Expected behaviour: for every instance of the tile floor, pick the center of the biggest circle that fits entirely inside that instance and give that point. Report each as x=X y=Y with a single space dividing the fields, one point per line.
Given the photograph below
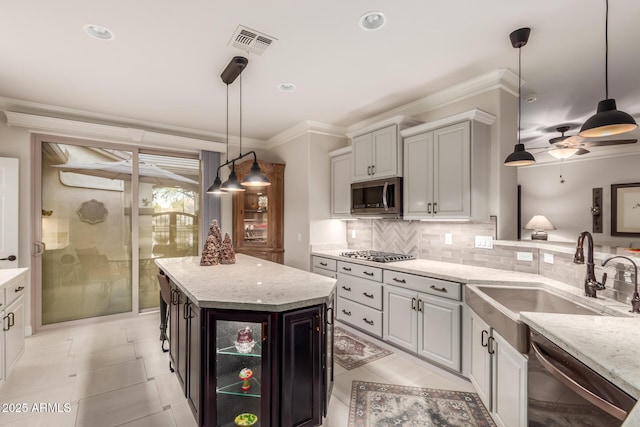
x=114 y=374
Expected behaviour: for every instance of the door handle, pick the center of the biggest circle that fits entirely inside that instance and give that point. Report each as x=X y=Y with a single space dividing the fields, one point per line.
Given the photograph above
x=395 y=279
x=484 y=335
x=18 y=289
x=9 y=258
x=329 y=322
x=368 y=170
x=490 y=348
x=367 y=295
x=5 y=328
x=324 y=264
x=420 y=305
x=346 y=289
x=346 y=268
x=429 y=207
x=384 y=196
x=435 y=208
x=413 y=303
x=38 y=248
x=348 y=313
x=12 y=319
x=435 y=288
x=368 y=273
x=369 y=322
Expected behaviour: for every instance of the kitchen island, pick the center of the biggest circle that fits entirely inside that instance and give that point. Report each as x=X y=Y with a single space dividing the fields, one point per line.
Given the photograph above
x=251 y=339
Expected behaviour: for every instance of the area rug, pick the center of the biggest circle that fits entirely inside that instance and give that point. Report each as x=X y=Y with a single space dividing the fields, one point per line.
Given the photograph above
x=382 y=405
x=351 y=351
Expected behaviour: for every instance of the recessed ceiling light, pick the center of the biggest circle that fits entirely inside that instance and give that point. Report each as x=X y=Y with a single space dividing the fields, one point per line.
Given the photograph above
x=287 y=87
x=99 y=32
x=372 y=21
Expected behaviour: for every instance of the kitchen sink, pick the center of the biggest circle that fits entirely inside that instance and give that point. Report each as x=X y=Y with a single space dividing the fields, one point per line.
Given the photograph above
x=500 y=307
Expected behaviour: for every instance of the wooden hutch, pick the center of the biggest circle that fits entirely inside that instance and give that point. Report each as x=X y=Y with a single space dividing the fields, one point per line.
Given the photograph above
x=258 y=214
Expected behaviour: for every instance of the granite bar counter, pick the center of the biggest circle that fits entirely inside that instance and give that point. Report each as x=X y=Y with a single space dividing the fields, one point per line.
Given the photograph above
x=250 y=340
x=249 y=284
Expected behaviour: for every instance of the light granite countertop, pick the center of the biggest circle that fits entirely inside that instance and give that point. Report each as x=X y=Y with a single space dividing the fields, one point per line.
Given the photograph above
x=7 y=275
x=249 y=284
x=608 y=344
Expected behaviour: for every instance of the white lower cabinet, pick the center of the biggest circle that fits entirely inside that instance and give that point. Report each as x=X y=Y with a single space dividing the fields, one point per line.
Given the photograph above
x=499 y=374
x=360 y=297
x=424 y=324
x=324 y=266
x=13 y=330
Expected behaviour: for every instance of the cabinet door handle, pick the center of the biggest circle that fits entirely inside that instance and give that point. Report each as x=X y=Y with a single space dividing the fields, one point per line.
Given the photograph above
x=12 y=319
x=413 y=303
x=346 y=289
x=373 y=169
x=370 y=322
x=329 y=322
x=483 y=336
x=317 y=317
x=348 y=313
x=19 y=288
x=420 y=305
x=185 y=310
x=5 y=328
x=368 y=273
x=435 y=208
x=369 y=170
x=435 y=288
x=395 y=279
x=324 y=264
x=264 y=331
x=346 y=268
x=367 y=295
x=9 y=258
x=429 y=207
x=490 y=348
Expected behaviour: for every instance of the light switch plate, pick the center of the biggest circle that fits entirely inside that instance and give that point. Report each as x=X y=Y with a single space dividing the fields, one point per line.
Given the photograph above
x=484 y=242
x=448 y=239
x=353 y=234
x=524 y=256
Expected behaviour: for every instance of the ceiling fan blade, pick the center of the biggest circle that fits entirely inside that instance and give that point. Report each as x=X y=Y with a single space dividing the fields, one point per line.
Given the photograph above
x=608 y=142
x=573 y=141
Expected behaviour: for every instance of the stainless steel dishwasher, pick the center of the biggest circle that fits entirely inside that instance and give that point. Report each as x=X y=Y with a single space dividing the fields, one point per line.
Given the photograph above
x=564 y=392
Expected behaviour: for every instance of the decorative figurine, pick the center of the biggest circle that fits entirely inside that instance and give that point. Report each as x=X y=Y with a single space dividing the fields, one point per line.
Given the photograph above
x=211 y=251
x=245 y=341
x=245 y=375
x=227 y=254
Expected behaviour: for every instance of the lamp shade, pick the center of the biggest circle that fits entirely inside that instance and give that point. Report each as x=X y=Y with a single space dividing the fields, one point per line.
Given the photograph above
x=215 y=187
x=563 y=153
x=232 y=184
x=255 y=177
x=539 y=222
x=607 y=121
x=519 y=157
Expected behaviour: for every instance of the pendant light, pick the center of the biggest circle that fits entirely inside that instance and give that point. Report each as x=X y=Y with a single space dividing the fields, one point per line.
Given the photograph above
x=520 y=156
x=255 y=177
x=608 y=120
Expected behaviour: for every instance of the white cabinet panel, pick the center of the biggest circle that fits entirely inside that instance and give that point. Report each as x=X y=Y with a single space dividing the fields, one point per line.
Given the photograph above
x=384 y=146
x=401 y=320
x=480 y=369
x=439 y=331
x=13 y=327
x=341 y=186
x=418 y=182
x=452 y=171
x=509 y=384
x=362 y=158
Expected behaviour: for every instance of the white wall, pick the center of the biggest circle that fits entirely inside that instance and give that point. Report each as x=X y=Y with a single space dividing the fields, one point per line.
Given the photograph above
x=16 y=143
x=567 y=205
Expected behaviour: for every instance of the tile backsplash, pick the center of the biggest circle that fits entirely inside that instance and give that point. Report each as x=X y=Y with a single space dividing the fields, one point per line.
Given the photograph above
x=426 y=240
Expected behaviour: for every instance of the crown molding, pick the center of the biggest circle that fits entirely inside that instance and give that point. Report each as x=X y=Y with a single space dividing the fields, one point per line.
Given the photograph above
x=475 y=115
x=139 y=132
x=74 y=128
x=498 y=79
x=303 y=128
x=402 y=122
x=340 y=151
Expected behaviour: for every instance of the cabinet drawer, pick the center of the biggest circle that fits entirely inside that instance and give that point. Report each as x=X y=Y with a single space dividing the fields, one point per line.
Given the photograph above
x=324 y=272
x=360 y=316
x=326 y=263
x=15 y=289
x=428 y=285
x=366 y=272
x=360 y=290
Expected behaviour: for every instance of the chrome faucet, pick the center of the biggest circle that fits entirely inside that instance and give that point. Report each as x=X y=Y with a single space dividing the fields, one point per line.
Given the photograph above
x=591 y=284
x=635 y=300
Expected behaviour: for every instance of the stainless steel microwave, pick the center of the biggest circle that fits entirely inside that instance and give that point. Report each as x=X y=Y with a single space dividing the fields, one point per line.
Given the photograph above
x=380 y=198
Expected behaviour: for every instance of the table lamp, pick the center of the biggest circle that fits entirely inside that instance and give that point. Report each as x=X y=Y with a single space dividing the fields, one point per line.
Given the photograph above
x=539 y=223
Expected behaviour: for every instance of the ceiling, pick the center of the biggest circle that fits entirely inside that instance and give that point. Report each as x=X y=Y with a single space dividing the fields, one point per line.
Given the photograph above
x=163 y=67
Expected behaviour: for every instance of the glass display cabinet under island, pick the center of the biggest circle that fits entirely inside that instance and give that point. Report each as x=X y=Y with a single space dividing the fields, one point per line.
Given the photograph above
x=252 y=342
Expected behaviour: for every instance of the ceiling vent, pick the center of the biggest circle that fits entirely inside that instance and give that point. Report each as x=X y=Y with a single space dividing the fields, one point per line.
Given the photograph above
x=251 y=41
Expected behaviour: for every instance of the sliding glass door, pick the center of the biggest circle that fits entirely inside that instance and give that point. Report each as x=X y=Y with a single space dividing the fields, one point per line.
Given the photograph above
x=100 y=246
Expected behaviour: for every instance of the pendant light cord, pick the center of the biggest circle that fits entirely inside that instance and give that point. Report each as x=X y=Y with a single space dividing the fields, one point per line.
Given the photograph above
x=240 y=115
x=606 y=50
x=519 y=89
x=227 y=123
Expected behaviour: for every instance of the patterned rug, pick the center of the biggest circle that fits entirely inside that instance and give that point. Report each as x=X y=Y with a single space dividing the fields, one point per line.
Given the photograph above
x=351 y=351
x=382 y=405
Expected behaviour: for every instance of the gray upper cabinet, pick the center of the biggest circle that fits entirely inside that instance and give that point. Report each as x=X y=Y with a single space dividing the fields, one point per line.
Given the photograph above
x=446 y=168
x=377 y=150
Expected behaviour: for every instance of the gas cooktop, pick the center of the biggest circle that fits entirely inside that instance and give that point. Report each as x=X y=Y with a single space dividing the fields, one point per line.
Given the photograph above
x=377 y=256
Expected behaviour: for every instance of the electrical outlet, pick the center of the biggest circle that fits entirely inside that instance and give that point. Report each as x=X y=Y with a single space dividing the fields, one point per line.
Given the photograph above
x=548 y=258
x=448 y=239
x=353 y=234
x=524 y=256
x=484 y=242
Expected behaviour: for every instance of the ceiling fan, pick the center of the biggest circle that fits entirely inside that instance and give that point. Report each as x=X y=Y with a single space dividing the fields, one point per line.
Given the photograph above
x=565 y=146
